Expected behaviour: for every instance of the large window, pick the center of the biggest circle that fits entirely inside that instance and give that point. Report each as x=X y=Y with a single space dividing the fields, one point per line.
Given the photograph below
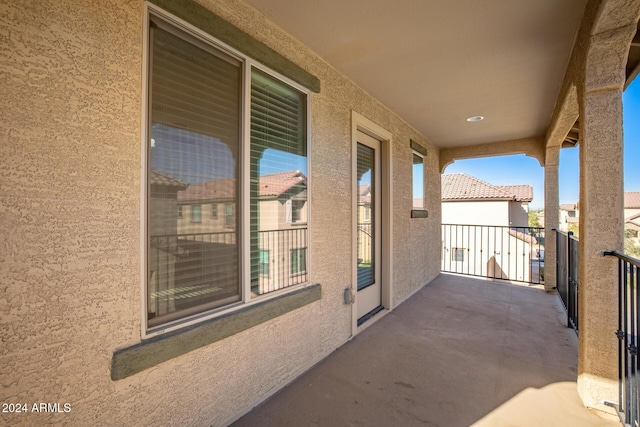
x=196 y=155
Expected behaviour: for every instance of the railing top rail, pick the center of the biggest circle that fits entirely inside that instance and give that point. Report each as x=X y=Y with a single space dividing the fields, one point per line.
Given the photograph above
x=497 y=226
x=193 y=234
x=623 y=257
x=214 y=233
x=566 y=233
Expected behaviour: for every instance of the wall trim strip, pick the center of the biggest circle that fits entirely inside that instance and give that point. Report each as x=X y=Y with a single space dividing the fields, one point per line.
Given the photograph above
x=132 y=360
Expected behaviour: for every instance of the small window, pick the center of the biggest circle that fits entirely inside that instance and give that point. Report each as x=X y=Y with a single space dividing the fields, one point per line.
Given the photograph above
x=298 y=261
x=179 y=211
x=418 y=181
x=196 y=213
x=458 y=254
x=296 y=212
x=214 y=211
x=264 y=263
x=228 y=215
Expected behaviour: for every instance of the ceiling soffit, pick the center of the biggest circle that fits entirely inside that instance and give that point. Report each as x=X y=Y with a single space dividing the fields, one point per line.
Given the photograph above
x=437 y=63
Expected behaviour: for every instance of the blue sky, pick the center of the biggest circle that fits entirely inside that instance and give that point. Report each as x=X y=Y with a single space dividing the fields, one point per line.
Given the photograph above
x=519 y=169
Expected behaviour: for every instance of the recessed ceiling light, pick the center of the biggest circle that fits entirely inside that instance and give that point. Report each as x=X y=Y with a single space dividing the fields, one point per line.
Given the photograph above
x=475 y=119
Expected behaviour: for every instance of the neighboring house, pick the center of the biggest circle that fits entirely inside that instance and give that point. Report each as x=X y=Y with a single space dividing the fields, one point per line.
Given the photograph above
x=632 y=215
x=569 y=215
x=207 y=214
x=469 y=200
x=365 y=225
x=485 y=228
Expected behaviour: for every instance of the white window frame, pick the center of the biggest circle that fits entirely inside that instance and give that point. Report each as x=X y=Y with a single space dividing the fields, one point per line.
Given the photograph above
x=243 y=229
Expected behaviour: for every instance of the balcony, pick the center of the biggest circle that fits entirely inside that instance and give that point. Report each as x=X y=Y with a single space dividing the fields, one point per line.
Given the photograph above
x=462 y=351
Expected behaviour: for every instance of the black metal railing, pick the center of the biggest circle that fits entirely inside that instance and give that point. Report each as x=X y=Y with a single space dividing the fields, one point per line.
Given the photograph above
x=627 y=333
x=495 y=252
x=188 y=260
x=567 y=274
x=282 y=260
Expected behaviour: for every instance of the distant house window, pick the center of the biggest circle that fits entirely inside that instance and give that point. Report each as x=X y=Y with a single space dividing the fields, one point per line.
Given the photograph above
x=298 y=261
x=264 y=263
x=196 y=213
x=296 y=211
x=572 y=214
x=179 y=211
x=418 y=181
x=293 y=210
x=214 y=211
x=367 y=213
x=458 y=254
x=228 y=215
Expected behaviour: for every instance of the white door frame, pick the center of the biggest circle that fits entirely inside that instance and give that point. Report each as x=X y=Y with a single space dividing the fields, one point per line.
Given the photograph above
x=362 y=124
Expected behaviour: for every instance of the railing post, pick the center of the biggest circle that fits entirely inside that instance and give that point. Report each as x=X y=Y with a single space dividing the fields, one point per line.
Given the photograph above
x=570 y=295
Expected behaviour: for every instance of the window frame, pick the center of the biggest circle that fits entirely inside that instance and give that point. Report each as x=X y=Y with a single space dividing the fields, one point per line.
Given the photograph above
x=155 y=13
x=193 y=209
x=455 y=252
x=261 y=270
x=415 y=153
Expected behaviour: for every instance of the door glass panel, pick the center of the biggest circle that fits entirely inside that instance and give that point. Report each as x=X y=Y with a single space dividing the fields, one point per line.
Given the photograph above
x=365 y=216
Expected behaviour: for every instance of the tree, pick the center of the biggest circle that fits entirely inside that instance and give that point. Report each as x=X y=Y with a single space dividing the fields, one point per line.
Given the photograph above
x=534 y=221
x=630 y=247
x=574 y=229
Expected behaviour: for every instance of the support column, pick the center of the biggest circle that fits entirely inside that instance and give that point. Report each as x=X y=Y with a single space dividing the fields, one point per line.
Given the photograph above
x=551 y=215
x=601 y=214
x=601 y=229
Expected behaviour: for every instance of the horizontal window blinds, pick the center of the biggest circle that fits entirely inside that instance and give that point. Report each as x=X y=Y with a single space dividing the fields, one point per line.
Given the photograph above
x=277 y=177
x=195 y=110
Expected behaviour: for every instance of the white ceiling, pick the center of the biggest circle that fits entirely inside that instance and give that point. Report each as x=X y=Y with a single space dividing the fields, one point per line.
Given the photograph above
x=437 y=62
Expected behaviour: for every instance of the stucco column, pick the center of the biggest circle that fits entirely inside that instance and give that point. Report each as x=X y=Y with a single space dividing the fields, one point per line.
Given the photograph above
x=551 y=215
x=601 y=215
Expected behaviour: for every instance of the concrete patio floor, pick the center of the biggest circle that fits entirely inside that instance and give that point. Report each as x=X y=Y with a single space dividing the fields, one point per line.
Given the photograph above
x=460 y=352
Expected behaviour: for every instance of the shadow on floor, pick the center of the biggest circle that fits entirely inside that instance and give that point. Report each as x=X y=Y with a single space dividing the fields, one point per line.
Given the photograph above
x=460 y=351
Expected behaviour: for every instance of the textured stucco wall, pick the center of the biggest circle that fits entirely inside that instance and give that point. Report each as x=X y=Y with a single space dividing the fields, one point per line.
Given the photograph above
x=476 y=213
x=518 y=214
x=70 y=130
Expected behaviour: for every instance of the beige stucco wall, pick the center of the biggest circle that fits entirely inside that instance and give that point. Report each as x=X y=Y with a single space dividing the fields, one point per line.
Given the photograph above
x=476 y=213
x=518 y=214
x=70 y=263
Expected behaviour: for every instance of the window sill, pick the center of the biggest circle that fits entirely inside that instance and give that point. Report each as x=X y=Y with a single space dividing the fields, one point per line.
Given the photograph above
x=132 y=360
x=419 y=213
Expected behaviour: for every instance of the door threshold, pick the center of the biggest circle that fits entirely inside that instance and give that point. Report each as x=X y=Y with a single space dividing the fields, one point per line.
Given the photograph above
x=370 y=314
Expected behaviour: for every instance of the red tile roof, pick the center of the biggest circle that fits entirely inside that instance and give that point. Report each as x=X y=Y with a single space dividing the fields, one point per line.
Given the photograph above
x=521 y=192
x=632 y=199
x=279 y=183
x=273 y=185
x=157 y=178
x=460 y=186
